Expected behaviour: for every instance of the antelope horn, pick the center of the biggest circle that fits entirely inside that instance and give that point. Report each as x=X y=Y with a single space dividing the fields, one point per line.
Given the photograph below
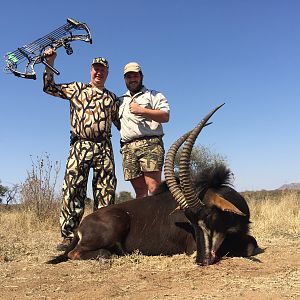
x=169 y=171
x=188 y=190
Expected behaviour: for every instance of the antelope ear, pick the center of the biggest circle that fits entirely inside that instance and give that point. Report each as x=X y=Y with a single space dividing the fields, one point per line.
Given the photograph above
x=222 y=203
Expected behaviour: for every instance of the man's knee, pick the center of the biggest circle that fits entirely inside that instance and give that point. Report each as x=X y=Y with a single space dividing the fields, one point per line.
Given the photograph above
x=140 y=187
x=152 y=180
x=152 y=188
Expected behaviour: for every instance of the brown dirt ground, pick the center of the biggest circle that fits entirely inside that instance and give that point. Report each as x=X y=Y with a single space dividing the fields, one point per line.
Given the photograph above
x=272 y=274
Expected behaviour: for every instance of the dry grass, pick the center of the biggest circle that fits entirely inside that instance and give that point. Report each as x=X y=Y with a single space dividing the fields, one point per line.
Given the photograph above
x=27 y=241
x=273 y=216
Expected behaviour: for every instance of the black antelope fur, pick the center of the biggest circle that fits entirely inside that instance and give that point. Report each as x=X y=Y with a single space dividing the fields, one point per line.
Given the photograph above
x=153 y=226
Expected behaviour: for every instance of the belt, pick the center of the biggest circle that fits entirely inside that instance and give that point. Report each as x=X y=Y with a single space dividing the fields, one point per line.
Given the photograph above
x=148 y=137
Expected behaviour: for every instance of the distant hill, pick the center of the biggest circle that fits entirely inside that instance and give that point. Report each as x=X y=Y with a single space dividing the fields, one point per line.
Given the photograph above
x=290 y=186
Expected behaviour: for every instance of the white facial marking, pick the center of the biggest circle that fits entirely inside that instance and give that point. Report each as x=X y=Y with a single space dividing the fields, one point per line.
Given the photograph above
x=206 y=233
x=217 y=240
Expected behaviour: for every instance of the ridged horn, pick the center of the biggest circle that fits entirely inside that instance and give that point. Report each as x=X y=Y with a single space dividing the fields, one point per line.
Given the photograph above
x=187 y=188
x=169 y=171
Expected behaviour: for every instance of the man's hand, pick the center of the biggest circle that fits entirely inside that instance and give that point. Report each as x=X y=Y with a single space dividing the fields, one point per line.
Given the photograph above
x=156 y=115
x=135 y=108
x=50 y=55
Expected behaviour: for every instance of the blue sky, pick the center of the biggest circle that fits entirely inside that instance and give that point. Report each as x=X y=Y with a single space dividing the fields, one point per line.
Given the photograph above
x=198 y=53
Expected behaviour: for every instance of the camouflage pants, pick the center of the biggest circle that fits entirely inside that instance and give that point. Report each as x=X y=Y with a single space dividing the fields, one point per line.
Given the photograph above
x=84 y=155
x=142 y=155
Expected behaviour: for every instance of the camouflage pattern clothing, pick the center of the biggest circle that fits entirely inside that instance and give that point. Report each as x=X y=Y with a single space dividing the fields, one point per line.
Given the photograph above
x=92 y=112
x=142 y=155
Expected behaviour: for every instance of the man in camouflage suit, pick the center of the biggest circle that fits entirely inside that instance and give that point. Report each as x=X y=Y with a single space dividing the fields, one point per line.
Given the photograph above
x=93 y=108
x=141 y=113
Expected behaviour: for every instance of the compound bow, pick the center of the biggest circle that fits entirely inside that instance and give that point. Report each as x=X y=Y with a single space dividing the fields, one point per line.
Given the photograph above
x=32 y=54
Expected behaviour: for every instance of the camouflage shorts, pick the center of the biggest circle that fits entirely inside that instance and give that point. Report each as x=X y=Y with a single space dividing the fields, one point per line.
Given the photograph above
x=142 y=155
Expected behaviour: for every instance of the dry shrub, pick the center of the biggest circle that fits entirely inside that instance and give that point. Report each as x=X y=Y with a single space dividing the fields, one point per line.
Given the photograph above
x=38 y=191
x=26 y=225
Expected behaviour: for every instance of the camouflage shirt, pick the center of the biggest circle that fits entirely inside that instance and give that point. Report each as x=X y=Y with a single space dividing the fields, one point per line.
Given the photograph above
x=92 y=110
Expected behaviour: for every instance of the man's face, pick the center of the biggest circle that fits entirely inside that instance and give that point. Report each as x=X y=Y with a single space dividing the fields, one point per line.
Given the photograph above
x=134 y=81
x=98 y=75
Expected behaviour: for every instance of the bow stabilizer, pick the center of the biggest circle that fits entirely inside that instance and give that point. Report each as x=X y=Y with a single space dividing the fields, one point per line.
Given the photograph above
x=32 y=53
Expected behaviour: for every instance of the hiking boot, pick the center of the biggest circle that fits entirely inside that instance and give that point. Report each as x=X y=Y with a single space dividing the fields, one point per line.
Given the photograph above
x=64 y=244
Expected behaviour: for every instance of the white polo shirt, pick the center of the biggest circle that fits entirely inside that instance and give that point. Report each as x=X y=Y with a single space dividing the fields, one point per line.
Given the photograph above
x=134 y=126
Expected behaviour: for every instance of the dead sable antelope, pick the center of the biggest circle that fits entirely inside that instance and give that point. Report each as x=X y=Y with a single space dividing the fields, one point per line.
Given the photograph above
x=206 y=215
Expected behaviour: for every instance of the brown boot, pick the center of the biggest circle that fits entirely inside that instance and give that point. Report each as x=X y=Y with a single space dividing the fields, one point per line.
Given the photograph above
x=64 y=244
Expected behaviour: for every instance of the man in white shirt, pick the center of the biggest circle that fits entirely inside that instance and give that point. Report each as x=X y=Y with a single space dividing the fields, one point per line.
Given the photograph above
x=142 y=112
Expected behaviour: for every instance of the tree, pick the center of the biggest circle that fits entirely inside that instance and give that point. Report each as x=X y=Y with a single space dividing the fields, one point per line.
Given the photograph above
x=3 y=191
x=123 y=196
x=12 y=194
x=201 y=158
x=9 y=194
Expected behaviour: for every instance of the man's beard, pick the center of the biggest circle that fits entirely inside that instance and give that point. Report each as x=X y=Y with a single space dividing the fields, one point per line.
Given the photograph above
x=137 y=89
